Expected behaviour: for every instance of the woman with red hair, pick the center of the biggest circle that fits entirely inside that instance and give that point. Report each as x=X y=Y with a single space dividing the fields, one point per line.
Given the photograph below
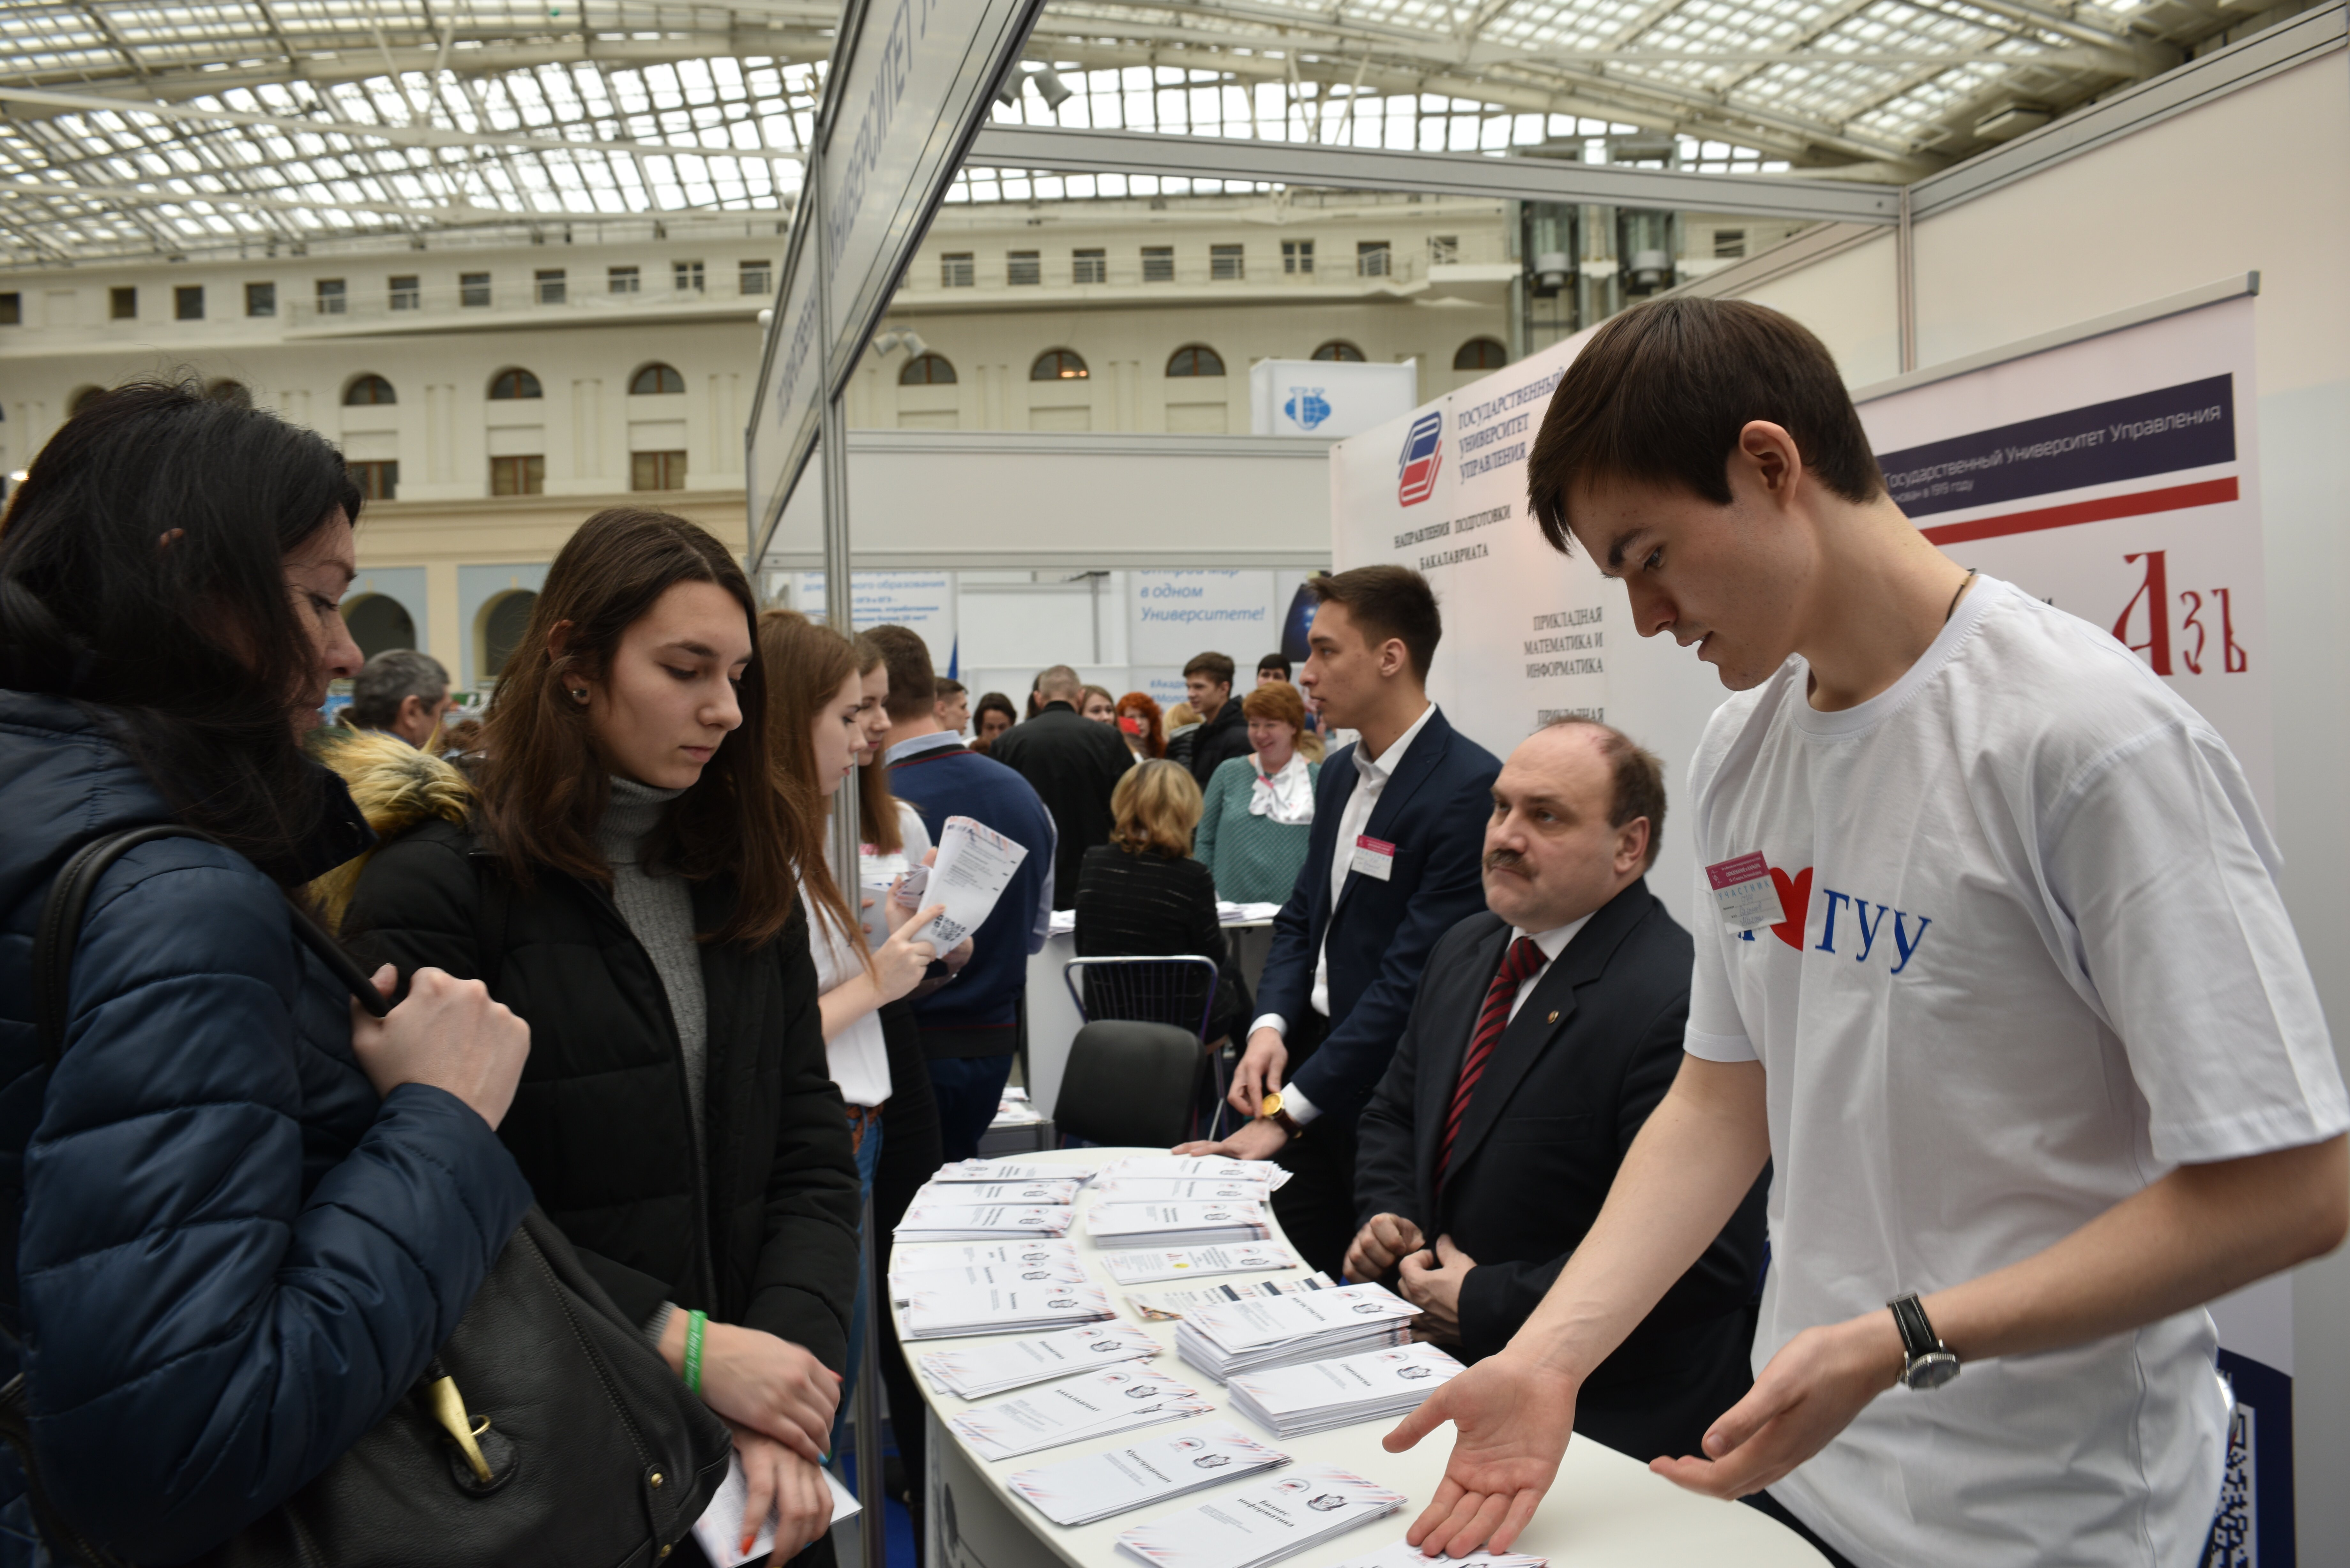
x=1139 y=721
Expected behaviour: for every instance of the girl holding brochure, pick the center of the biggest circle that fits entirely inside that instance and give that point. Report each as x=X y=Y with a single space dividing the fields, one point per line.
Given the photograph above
x=626 y=881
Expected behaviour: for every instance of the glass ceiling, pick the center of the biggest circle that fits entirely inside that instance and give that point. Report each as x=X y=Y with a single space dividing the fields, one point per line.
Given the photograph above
x=188 y=127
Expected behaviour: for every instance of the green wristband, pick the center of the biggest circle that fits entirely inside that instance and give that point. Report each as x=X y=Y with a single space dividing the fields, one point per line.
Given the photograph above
x=695 y=1322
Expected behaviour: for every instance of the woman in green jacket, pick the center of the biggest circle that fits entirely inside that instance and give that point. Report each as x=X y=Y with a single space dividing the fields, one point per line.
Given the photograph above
x=1260 y=809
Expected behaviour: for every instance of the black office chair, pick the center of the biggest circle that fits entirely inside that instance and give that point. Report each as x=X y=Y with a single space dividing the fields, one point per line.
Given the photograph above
x=1178 y=990
x=1129 y=1083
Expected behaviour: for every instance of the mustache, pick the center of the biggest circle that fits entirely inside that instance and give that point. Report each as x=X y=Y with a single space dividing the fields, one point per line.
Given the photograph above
x=1498 y=859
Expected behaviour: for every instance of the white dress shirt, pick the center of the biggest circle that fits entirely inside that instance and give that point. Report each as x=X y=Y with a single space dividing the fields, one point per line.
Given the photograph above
x=1371 y=782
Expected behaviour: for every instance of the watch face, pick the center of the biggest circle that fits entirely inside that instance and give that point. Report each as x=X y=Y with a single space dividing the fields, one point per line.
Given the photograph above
x=1272 y=1104
x=1931 y=1370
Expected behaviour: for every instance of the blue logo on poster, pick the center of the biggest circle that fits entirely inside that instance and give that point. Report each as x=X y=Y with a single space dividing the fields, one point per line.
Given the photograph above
x=1307 y=407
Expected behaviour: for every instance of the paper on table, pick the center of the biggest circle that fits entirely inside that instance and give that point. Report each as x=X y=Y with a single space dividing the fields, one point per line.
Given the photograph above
x=980 y=1170
x=720 y=1528
x=919 y=1259
x=1166 y=1307
x=1264 y=1523
x=979 y=1370
x=1196 y=1262
x=1207 y=1167
x=1092 y=1405
x=1081 y=1490
x=949 y=1313
x=975 y=865
x=1059 y=1193
x=947 y=1282
x=1178 y=1190
x=1404 y=1555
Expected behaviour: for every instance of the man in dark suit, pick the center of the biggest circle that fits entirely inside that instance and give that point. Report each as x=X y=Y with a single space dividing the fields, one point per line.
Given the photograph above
x=1398 y=828
x=1073 y=765
x=1547 y=1030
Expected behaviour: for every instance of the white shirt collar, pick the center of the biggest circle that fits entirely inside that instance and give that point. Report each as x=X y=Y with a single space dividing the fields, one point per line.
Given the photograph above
x=1380 y=771
x=1552 y=941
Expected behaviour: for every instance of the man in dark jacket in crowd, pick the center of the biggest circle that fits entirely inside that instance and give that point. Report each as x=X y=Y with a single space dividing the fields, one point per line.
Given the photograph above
x=1222 y=733
x=970 y=1026
x=1073 y=765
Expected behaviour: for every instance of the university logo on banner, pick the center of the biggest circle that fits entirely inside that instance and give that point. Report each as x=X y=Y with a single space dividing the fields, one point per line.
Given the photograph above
x=1423 y=454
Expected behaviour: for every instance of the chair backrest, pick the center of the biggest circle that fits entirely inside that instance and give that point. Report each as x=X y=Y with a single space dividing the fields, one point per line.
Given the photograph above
x=1176 y=990
x=1129 y=1083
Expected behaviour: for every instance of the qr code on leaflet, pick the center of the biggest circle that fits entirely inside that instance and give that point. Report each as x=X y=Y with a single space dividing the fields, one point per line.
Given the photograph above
x=2235 y=1528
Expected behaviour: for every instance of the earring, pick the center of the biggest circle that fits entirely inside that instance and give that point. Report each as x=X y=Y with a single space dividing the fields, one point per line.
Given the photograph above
x=580 y=693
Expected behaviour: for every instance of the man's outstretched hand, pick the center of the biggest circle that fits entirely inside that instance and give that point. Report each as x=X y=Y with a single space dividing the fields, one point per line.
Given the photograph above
x=1515 y=1418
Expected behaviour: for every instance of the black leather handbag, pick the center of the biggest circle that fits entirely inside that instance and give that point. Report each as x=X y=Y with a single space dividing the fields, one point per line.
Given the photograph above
x=547 y=1431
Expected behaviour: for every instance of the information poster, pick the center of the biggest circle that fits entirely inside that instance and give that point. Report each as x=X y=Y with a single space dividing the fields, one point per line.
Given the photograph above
x=923 y=602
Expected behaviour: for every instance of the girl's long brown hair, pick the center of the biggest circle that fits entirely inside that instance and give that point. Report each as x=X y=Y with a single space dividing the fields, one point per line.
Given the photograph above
x=541 y=787
x=807 y=664
x=876 y=808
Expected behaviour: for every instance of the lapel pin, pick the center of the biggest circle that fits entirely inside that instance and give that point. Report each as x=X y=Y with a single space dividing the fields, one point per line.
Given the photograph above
x=1553 y=1018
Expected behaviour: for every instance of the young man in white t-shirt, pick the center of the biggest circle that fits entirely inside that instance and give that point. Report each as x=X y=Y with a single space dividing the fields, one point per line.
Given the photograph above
x=2025 y=1030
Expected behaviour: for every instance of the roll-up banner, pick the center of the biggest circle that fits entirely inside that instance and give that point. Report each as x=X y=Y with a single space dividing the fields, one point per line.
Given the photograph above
x=2115 y=477
x=907 y=89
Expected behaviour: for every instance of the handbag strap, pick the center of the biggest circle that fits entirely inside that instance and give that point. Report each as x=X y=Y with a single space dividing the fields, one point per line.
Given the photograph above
x=60 y=929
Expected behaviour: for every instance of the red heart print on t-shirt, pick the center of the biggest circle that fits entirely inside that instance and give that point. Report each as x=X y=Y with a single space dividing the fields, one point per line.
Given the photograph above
x=1794 y=902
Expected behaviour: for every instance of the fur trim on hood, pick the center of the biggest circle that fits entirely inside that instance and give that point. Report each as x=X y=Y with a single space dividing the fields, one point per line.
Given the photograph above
x=396 y=788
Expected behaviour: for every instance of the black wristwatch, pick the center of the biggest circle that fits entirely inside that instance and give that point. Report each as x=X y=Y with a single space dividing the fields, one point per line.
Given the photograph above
x=1927 y=1363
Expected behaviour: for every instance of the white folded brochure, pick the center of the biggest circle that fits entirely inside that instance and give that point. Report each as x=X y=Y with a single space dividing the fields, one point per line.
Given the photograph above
x=999 y=1309
x=720 y=1528
x=962 y=1170
x=1246 y=1335
x=1178 y=1189
x=1096 y=1405
x=982 y=1371
x=1214 y=1167
x=1265 y=1523
x=1404 y=1555
x=977 y=1254
x=983 y=1222
x=967 y=1194
x=1314 y=1396
x=1118 y=1481
x=1175 y=1224
x=1168 y=1306
x=974 y=865
x=986 y=1276
x=1196 y=1262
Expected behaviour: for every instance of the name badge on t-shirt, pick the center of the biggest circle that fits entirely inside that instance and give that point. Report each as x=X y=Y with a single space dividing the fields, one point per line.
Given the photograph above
x=1744 y=894
x=1374 y=856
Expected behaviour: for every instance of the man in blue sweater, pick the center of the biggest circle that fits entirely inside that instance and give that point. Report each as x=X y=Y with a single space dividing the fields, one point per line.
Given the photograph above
x=971 y=1026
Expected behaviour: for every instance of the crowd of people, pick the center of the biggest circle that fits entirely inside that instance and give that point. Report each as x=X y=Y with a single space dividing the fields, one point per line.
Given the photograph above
x=592 y=959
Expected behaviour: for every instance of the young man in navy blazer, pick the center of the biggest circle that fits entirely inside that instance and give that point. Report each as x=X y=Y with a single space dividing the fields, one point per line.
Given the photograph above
x=1394 y=862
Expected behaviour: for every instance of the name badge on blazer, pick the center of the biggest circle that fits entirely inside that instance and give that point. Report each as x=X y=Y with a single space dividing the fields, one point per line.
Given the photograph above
x=1374 y=856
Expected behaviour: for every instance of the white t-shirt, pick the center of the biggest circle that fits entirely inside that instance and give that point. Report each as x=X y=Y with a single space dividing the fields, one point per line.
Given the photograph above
x=859 y=1056
x=2041 y=960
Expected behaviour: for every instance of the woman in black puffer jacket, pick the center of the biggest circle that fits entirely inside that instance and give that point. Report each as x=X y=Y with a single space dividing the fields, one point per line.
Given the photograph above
x=625 y=884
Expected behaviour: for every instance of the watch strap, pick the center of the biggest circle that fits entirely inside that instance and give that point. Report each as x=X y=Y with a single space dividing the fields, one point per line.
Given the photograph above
x=1286 y=1123
x=1918 y=1336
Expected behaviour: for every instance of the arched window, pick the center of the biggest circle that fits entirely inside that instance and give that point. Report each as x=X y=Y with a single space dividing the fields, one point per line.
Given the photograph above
x=502 y=625
x=1059 y=365
x=1340 y=351
x=1195 y=359
x=1480 y=354
x=651 y=381
x=83 y=398
x=376 y=390
x=513 y=383
x=379 y=623
x=932 y=370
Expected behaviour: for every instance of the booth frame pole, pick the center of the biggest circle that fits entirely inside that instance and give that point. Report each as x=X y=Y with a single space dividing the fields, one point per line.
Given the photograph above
x=1905 y=283
x=832 y=449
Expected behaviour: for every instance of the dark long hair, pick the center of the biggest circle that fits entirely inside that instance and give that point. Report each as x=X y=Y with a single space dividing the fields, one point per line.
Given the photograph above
x=193 y=648
x=543 y=789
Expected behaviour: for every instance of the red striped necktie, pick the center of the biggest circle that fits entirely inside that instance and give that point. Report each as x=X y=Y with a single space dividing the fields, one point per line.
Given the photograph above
x=1522 y=962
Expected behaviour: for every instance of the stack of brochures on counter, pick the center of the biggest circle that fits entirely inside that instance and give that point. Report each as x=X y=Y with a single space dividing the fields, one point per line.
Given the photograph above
x=983 y=1222
x=1265 y=1523
x=1167 y=1307
x=1311 y=1325
x=1096 y=1405
x=1175 y=1188
x=973 y=1254
x=1289 y=1401
x=1058 y=1193
x=904 y=1284
x=1194 y=1168
x=1159 y=1225
x=1196 y=1263
x=1118 y=1481
x=1001 y=1309
x=1013 y=1169
x=979 y=1371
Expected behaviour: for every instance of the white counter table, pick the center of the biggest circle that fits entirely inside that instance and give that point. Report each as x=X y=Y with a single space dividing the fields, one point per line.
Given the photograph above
x=1605 y=1512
